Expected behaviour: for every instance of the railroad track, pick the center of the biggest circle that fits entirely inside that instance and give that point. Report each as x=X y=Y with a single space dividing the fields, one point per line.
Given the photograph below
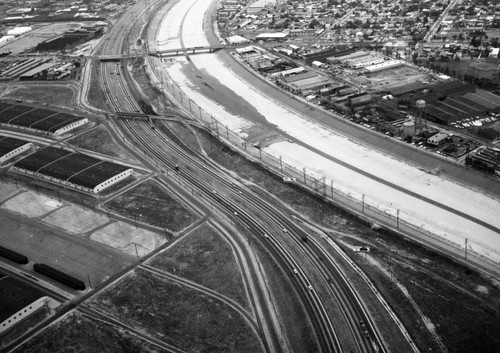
x=143 y=135
x=106 y=318
x=140 y=132
x=366 y=334
x=321 y=321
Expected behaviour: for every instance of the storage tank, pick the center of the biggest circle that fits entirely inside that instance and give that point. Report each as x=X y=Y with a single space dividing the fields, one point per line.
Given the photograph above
x=408 y=129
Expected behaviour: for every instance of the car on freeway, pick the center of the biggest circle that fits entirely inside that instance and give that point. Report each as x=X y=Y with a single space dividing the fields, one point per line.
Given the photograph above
x=284 y=230
x=295 y=271
x=310 y=287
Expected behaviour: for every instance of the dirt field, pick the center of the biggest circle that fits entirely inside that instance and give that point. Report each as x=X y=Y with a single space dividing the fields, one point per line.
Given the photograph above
x=8 y=190
x=150 y=203
x=75 y=220
x=188 y=319
x=39 y=34
x=439 y=287
x=78 y=333
x=205 y=257
x=99 y=140
x=52 y=232
x=385 y=79
x=31 y=204
x=127 y=238
x=54 y=95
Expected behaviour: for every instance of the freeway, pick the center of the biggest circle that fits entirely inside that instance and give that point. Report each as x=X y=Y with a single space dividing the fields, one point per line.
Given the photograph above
x=116 y=89
x=474 y=221
x=121 y=100
x=159 y=150
x=366 y=339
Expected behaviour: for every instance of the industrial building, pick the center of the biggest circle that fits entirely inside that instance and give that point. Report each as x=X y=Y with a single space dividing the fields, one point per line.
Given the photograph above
x=360 y=99
x=437 y=139
x=383 y=65
x=17 y=301
x=272 y=36
x=67 y=39
x=323 y=55
x=37 y=72
x=300 y=80
x=44 y=121
x=75 y=170
x=21 y=67
x=12 y=147
x=487 y=159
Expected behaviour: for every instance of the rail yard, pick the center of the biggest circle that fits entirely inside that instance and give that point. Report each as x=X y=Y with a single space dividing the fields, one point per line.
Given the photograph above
x=317 y=270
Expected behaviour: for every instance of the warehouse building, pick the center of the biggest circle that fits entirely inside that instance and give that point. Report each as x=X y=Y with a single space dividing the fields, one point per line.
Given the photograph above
x=315 y=83
x=21 y=67
x=17 y=301
x=437 y=139
x=12 y=147
x=44 y=121
x=384 y=65
x=487 y=159
x=272 y=36
x=75 y=170
x=37 y=72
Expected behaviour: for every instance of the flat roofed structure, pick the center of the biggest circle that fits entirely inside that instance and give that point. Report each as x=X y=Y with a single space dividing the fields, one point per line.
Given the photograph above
x=383 y=65
x=272 y=36
x=315 y=82
x=43 y=121
x=11 y=147
x=453 y=87
x=299 y=76
x=289 y=72
x=76 y=170
x=437 y=138
x=17 y=301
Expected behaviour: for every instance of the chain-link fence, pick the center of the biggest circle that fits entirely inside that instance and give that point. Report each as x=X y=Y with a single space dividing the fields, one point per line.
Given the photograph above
x=328 y=189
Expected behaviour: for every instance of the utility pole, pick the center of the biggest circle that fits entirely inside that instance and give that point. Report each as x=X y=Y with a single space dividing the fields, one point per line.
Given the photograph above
x=465 y=249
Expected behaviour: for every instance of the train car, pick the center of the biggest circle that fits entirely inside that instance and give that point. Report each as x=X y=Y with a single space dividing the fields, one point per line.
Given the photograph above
x=13 y=256
x=59 y=276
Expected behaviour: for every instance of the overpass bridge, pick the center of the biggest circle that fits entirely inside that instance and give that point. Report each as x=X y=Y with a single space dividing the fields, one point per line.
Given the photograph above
x=170 y=52
x=188 y=51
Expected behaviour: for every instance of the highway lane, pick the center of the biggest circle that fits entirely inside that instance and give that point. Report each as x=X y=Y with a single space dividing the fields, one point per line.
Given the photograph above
x=180 y=37
x=184 y=16
x=130 y=106
x=122 y=101
x=190 y=166
x=157 y=150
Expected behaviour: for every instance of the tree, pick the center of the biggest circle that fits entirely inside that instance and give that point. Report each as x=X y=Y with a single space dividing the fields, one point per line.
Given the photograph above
x=314 y=23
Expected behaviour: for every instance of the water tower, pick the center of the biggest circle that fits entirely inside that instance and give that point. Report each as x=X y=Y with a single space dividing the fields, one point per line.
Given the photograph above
x=421 y=109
